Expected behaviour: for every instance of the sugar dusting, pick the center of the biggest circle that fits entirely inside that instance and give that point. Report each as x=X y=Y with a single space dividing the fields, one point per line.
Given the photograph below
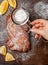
x=20 y=15
x=3 y=35
x=41 y=9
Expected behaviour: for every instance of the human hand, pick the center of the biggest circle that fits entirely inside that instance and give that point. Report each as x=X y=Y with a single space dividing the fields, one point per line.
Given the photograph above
x=40 y=27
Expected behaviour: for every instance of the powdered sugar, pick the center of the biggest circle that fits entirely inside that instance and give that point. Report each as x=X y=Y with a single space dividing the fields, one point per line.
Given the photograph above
x=20 y=15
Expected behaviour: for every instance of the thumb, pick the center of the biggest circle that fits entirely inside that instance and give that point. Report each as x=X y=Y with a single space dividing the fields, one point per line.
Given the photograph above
x=38 y=31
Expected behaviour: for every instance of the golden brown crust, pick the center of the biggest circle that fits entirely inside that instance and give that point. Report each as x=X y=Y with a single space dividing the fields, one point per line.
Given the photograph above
x=8 y=18
x=18 y=37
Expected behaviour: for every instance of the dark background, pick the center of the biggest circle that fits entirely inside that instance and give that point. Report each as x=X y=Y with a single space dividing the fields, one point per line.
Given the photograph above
x=38 y=55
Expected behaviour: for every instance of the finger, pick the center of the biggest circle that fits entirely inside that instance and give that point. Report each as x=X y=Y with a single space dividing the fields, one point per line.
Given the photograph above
x=37 y=26
x=41 y=28
x=34 y=22
x=42 y=21
x=38 y=31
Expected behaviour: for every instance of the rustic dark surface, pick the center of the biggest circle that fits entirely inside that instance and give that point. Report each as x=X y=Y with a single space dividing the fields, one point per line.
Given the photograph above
x=38 y=55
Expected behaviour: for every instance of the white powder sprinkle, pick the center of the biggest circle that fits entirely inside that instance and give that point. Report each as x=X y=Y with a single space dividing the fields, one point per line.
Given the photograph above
x=41 y=9
x=20 y=15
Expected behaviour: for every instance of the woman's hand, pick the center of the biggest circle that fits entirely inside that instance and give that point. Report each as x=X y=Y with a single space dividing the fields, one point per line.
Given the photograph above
x=40 y=27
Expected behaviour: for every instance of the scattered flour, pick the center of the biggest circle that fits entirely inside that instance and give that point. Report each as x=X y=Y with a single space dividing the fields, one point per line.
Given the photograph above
x=3 y=35
x=41 y=9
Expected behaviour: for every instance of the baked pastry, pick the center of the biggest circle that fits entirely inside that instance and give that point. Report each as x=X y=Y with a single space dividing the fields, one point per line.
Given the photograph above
x=17 y=36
